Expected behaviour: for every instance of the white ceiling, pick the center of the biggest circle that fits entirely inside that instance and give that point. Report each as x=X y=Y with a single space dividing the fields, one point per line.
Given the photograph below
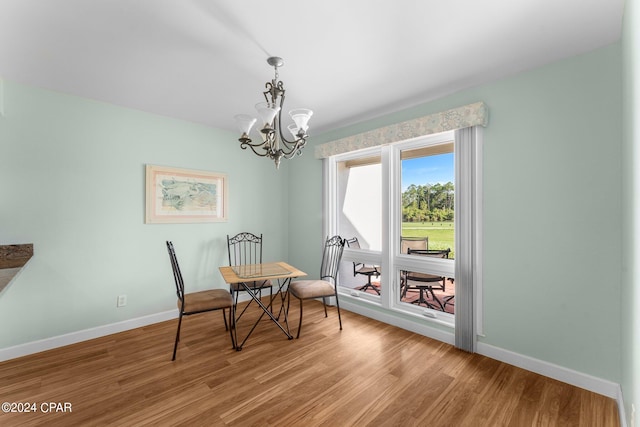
x=348 y=60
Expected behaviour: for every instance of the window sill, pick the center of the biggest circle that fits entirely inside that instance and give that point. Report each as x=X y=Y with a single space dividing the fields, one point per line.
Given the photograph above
x=373 y=308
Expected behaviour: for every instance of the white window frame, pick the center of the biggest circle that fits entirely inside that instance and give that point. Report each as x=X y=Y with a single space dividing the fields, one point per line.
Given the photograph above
x=392 y=310
x=407 y=262
x=331 y=217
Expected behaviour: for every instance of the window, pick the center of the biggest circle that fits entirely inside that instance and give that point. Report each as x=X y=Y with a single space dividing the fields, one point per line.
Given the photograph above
x=376 y=199
x=427 y=227
x=359 y=209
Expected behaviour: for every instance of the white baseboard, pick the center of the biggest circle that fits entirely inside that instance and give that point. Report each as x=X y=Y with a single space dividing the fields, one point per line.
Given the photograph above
x=566 y=375
x=88 y=334
x=588 y=382
x=84 y=335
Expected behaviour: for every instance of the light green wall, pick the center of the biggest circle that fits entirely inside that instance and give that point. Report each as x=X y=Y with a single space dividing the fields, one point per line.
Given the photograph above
x=630 y=379
x=552 y=209
x=552 y=214
x=72 y=183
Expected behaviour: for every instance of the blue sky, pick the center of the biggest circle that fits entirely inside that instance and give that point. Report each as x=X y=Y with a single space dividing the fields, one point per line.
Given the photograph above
x=430 y=169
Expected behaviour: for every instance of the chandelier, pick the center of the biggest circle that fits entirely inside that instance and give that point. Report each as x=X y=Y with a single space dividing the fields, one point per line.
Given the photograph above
x=274 y=144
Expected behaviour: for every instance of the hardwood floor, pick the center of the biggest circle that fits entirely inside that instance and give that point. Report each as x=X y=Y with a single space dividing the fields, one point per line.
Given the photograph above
x=369 y=374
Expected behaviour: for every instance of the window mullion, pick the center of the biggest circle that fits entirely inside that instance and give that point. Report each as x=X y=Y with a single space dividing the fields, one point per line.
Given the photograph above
x=389 y=179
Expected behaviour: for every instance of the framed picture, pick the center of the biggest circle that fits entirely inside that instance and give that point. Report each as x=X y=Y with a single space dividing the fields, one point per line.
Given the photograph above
x=182 y=196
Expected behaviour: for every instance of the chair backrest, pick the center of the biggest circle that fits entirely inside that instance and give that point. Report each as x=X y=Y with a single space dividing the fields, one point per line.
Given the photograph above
x=353 y=243
x=177 y=275
x=425 y=277
x=331 y=256
x=435 y=253
x=407 y=243
x=244 y=248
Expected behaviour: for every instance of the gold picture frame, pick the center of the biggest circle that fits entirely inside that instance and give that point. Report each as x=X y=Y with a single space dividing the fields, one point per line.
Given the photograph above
x=175 y=195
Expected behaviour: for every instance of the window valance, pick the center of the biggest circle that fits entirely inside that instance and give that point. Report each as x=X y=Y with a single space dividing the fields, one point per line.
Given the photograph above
x=456 y=118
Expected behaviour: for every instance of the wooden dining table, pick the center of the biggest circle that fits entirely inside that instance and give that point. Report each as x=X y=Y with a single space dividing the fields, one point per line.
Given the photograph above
x=246 y=274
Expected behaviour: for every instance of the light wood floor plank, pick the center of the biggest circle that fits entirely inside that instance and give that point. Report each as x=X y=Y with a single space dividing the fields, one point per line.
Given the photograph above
x=369 y=374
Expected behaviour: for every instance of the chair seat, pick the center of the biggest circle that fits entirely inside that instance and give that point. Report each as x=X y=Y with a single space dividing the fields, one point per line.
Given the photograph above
x=425 y=285
x=252 y=285
x=211 y=299
x=373 y=271
x=416 y=278
x=304 y=289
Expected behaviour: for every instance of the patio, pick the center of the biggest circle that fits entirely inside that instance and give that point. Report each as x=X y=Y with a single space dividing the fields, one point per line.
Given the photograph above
x=413 y=295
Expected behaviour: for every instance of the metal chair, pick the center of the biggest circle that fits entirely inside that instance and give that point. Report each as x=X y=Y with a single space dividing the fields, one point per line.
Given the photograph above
x=327 y=285
x=198 y=302
x=423 y=282
x=364 y=269
x=413 y=243
x=246 y=248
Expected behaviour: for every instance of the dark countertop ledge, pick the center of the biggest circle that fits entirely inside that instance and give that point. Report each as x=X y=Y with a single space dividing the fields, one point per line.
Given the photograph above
x=12 y=259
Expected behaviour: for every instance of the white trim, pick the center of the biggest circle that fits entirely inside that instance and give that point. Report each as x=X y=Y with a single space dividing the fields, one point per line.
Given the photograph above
x=362 y=255
x=330 y=219
x=84 y=335
x=566 y=375
x=621 y=412
x=388 y=182
x=437 y=266
x=395 y=320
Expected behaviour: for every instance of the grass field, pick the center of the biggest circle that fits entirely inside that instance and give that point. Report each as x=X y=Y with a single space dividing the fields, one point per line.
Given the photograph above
x=441 y=234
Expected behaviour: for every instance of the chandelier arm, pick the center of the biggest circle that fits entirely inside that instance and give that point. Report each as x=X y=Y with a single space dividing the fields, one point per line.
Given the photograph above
x=290 y=155
x=290 y=145
x=291 y=149
x=244 y=146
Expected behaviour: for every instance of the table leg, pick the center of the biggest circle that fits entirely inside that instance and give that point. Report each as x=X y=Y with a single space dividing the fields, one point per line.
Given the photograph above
x=265 y=310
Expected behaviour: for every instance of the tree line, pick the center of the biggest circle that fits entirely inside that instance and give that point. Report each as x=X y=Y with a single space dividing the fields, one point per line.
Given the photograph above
x=429 y=202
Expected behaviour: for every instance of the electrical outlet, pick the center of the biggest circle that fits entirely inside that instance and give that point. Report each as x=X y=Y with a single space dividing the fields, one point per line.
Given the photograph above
x=122 y=301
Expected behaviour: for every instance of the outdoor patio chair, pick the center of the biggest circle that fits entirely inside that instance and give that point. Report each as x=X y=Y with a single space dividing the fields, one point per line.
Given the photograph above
x=423 y=282
x=413 y=243
x=366 y=270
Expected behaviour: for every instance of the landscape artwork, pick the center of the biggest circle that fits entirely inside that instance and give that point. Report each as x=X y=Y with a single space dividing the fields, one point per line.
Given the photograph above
x=176 y=195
